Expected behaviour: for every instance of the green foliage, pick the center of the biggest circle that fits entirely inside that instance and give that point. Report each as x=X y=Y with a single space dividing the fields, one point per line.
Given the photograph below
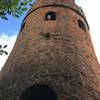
x=13 y=7
x=2 y=51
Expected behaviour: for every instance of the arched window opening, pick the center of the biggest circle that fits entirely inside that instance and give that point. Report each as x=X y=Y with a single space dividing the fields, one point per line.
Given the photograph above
x=50 y=15
x=38 y=92
x=81 y=25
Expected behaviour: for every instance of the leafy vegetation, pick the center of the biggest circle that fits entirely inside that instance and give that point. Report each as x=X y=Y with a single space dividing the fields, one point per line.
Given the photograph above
x=2 y=51
x=13 y=7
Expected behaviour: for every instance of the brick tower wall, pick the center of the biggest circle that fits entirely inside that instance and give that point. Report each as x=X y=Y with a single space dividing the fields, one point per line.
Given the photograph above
x=58 y=53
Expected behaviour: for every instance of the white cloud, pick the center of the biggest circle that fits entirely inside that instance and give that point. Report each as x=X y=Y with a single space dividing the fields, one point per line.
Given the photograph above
x=9 y=40
x=91 y=9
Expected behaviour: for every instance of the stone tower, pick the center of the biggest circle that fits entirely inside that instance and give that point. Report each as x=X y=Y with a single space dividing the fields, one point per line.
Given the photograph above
x=53 y=57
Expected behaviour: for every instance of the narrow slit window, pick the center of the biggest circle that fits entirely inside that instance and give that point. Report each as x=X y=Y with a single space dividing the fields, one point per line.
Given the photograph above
x=23 y=25
x=81 y=25
x=50 y=15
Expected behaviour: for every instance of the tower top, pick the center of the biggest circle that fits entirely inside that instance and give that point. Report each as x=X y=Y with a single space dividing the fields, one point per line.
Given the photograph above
x=54 y=2
x=57 y=3
x=61 y=3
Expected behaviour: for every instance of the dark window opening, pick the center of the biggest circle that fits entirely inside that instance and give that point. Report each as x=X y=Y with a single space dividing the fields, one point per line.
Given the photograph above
x=23 y=24
x=39 y=92
x=50 y=15
x=81 y=25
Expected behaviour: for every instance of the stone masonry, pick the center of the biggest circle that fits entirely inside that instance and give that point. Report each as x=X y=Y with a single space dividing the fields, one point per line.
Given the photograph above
x=53 y=48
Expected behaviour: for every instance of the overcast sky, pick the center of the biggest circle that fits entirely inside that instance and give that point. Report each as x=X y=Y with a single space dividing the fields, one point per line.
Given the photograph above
x=9 y=29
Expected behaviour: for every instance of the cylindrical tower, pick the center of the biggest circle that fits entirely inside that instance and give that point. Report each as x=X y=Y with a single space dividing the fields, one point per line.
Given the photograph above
x=53 y=57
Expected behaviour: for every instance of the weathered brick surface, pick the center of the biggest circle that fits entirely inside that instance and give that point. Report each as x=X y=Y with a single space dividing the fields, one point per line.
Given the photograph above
x=65 y=61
